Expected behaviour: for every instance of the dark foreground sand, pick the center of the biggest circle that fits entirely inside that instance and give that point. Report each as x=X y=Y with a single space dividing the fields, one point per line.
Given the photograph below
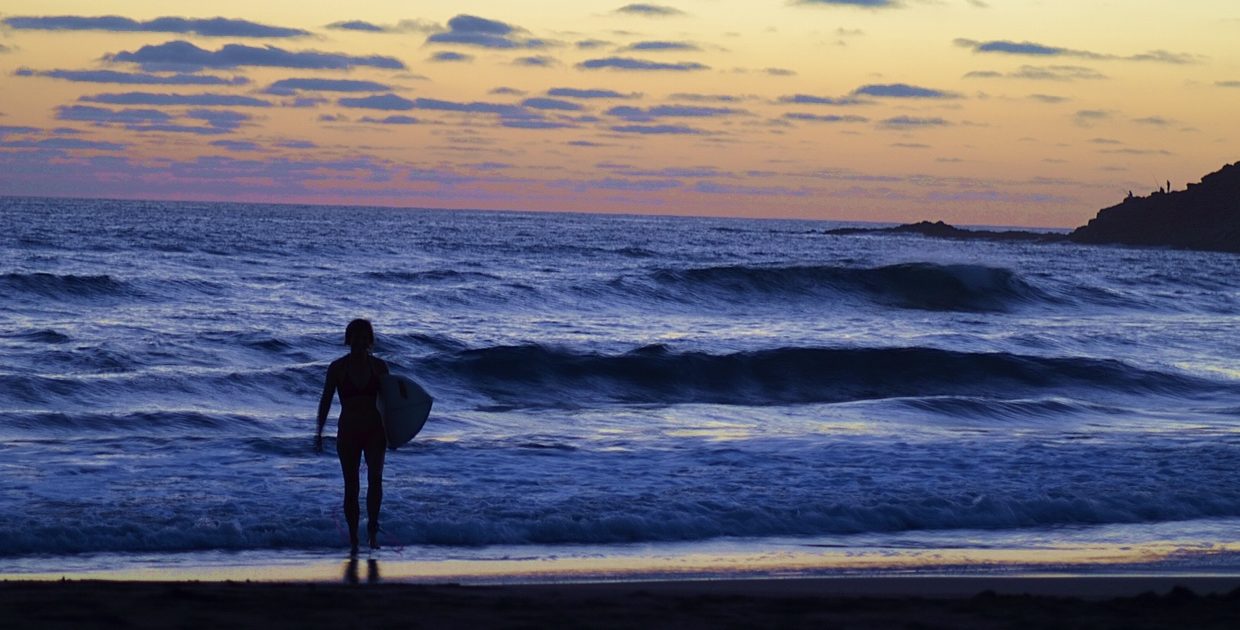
x=817 y=603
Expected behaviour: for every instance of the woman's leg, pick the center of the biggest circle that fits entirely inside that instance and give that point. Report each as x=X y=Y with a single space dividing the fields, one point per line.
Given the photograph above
x=376 y=450
x=349 y=449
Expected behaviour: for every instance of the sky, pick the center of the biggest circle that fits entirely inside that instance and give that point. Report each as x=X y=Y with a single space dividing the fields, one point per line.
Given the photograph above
x=979 y=112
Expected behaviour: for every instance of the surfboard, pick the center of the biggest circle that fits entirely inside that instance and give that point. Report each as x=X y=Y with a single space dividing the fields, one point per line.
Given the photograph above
x=404 y=406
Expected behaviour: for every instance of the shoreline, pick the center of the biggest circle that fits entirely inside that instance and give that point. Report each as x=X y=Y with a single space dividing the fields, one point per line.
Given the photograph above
x=871 y=602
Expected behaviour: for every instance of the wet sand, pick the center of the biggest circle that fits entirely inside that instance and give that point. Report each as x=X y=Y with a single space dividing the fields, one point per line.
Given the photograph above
x=883 y=602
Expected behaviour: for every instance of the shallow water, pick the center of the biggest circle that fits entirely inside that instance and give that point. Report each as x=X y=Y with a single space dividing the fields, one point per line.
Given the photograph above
x=604 y=381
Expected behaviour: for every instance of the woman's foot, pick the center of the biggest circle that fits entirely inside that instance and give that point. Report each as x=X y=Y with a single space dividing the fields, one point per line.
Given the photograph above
x=372 y=529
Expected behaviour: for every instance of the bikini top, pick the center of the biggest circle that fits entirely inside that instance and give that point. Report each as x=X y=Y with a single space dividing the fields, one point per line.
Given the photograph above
x=349 y=389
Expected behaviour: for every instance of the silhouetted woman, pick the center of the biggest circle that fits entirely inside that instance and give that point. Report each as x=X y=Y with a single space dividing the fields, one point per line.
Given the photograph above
x=360 y=430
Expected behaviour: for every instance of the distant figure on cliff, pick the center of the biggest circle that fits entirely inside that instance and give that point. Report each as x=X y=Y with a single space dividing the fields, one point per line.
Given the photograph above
x=1168 y=185
x=1129 y=195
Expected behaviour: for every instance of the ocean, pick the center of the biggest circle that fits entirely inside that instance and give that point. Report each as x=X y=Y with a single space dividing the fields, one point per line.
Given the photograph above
x=612 y=387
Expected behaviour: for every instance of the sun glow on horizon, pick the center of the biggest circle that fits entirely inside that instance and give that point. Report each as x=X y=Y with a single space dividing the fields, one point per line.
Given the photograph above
x=1014 y=113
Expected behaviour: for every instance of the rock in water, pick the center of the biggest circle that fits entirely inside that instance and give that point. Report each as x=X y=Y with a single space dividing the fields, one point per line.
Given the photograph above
x=1204 y=217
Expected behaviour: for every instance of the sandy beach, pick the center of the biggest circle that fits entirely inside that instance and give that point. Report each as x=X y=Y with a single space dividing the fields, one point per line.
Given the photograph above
x=887 y=602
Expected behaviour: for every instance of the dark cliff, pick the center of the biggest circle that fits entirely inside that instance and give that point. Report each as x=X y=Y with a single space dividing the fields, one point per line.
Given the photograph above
x=1205 y=217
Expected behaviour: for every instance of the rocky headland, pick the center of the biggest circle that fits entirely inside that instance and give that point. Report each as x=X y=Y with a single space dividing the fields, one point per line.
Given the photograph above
x=939 y=229
x=1205 y=216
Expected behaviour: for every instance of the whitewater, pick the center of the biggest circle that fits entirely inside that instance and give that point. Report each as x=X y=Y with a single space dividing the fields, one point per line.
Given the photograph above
x=605 y=382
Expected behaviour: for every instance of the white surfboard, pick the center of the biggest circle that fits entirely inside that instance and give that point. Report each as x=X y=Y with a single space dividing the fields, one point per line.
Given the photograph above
x=404 y=406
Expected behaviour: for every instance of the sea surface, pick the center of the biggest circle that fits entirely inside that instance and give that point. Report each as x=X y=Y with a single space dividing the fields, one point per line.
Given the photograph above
x=608 y=386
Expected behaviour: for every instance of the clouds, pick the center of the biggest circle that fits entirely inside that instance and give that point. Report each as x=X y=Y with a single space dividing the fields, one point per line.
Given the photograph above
x=388 y=102
x=395 y=119
x=649 y=10
x=470 y=30
x=288 y=87
x=627 y=63
x=1041 y=73
x=130 y=78
x=639 y=114
x=912 y=122
x=403 y=26
x=202 y=100
x=183 y=56
x=658 y=130
x=448 y=56
x=807 y=99
x=552 y=104
x=902 y=90
x=1034 y=49
x=211 y=27
x=216 y=121
x=588 y=93
x=660 y=46
x=536 y=61
x=827 y=118
x=867 y=4
x=62 y=144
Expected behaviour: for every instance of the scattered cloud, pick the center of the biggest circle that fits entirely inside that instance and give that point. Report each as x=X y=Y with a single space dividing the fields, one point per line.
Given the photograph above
x=552 y=104
x=639 y=114
x=658 y=46
x=4 y=49
x=208 y=27
x=1138 y=151
x=476 y=107
x=183 y=56
x=470 y=30
x=508 y=91
x=297 y=144
x=535 y=123
x=395 y=119
x=779 y=72
x=902 y=90
x=829 y=118
x=591 y=44
x=236 y=145
x=588 y=93
x=1228 y=84
x=449 y=56
x=101 y=115
x=287 y=87
x=908 y=122
x=62 y=143
x=536 y=61
x=403 y=26
x=658 y=129
x=388 y=102
x=1048 y=98
x=153 y=120
x=1033 y=49
x=865 y=4
x=201 y=100
x=1088 y=117
x=1041 y=73
x=649 y=10
x=628 y=63
x=909 y=145
x=807 y=99
x=707 y=98
x=130 y=78
x=1155 y=121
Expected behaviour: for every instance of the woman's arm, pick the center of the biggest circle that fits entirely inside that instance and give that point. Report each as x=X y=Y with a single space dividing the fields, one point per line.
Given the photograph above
x=325 y=405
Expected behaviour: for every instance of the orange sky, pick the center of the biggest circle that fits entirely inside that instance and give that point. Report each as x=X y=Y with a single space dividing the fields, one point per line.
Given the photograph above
x=999 y=113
